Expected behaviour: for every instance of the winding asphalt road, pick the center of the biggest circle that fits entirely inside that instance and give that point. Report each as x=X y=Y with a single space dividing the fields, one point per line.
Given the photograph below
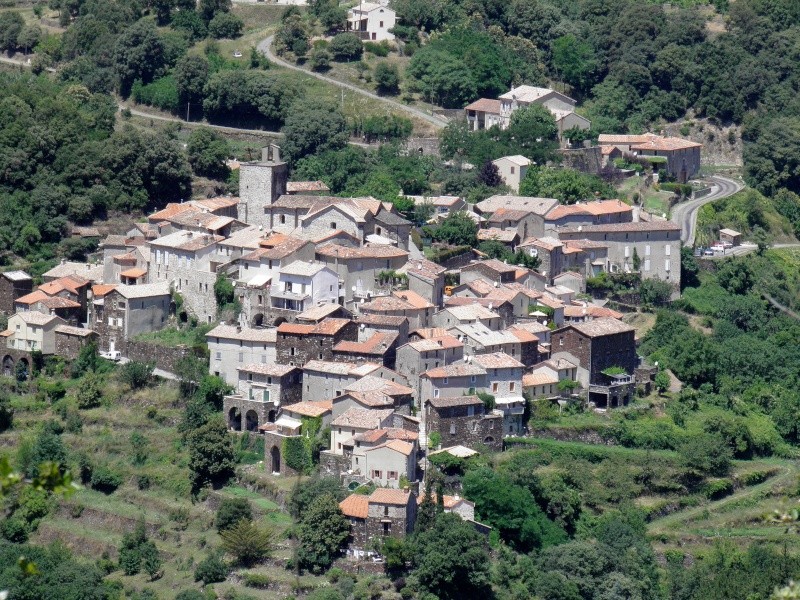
x=685 y=213
x=265 y=47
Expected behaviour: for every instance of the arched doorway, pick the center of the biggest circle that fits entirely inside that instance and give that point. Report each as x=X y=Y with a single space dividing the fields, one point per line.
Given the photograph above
x=8 y=366
x=279 y=321
x=258 y=320
x=488 y=440
x=251 y=421
x=271 y=416
x=235 y=419
x=275 y=459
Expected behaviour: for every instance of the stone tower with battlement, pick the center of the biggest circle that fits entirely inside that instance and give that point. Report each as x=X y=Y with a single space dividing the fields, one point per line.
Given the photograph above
x=260 y=184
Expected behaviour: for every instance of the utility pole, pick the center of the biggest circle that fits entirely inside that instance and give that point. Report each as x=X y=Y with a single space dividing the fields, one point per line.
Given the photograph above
x=187 y=111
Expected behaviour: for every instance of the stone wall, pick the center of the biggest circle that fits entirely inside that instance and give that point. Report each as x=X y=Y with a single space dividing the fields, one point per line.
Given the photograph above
x=243 y=414
x=273 y=453
x=426 y=146
x=164 y=357
x=311 y=347
x=333 y=465
x=69 y=346
x=456 y=427
x=587 y=160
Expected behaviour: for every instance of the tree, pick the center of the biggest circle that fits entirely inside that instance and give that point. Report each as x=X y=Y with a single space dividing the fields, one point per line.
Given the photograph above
x=329 y=14
x=489 y=175
x=706 y=453
x=574 y=61
x=247 y=542
x=533 y=132
x=313 y=127
x=29 y=37
x=210 y=8
x=231 y=511
x=207 y=152
x=442 y=78
x=451 y=560
x=321 y=534
x=662 y=382
x=212 y=390
x=320 y=59
x=136 y=374
x=387 y=78
x=90 y=393
x=6 y=413
x=293 y=35
x=211 y=570
x=130 y=551
x=11 y=26
x=305 y=492
x=191 y=74
x=457 y=229
x=47 y=448
x=211 y=455
x=567 y=185
x=346 y=47
x=151 y=560
x=223 y=291
x=225 y=25
x=191 y=23
x=138 y=54
x=655 y=291
x=689 y=269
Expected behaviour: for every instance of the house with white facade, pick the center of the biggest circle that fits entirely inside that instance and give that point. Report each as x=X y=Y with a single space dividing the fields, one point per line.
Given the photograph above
x=32 y=331
x=371 y=21
x=231 y=347
x=512 y=169
x=302 y=285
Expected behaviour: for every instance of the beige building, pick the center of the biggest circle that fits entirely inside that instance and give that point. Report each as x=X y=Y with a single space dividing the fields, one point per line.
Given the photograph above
x=682 y=156
x=231 y=347
x=512 y=169
x=32 y=331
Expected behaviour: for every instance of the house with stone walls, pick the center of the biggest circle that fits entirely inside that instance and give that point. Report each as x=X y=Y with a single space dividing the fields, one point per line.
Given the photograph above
x=92 y=272
x=359 y=269
x=417 y=357
x=233 y=346
x=385 y=512
x=354 y=421
x=326 y=379
x=386 y=463
x=595 y=212
x=468 y=314
x=461 y=420
x=380 y=348
x=425 y=278
x=597 y=346
x=260 y=185
x=491 y=270
x=456 y=505
x=549 y=251
x=315 y=314
x=369 y=324
x=38 y=301
x=298 y=344
x=452 y=381
x=508 y=237
x=72 y=288
x=529 y=353
x=418 y=311
x=525 y=223
x=501 y=305
x=122 y=312
x=512 y=169
x=538 y=206
x=71 y=340
x=376 y=393
x=13 y=285
x=479 y=339
x=185 y=259
x=314 y=410
x=504 y=382
x=261 y=391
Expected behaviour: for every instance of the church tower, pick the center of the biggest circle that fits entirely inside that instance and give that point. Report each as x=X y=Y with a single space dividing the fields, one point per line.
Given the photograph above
x=260 y=184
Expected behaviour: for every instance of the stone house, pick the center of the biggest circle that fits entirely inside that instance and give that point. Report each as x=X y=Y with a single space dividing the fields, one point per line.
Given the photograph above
x=484 y=113
x=354 y=421
x=442 y=205
x=572 y=280
x=265 y=262
x=425 y=278
x=260 y=185
x=682 y=156
x=386 y=463
x=386 y=512
x=125 y=311
x=453 y=316
x=302 y=285
x=369 y=324
x=529 y=204
x=586 y=257
x=541 y=383
x=70 y=340
x=380 y=348
x=452 y=381
x=13 y=285
x=414 y=358
x=553 y=308
x=325 y=379
x=297 y=344
x=92 y=272
x=391 y=226
x=491 y=270
x=187 y=258
x=456 y=505
x=321 y=410
x=512 y=169
x=315 y=314
x=374 y=392
x=657 y=244
x=262 y=390
x=461 y=420
x=38 y=301
x=31 y=332
x=549 y=251
x=359 y=269
x=418 y=311
x=72 y=288
x=562 y=107
x=372 y=21
x=508 y=237
x=231 y=347
x=525 y=223
x=479 y=339
x=504 y=382
x=596 y=346
x=529 y=353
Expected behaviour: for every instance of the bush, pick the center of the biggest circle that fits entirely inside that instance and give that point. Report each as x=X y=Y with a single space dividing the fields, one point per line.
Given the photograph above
x=89 y=393
x=256 y=580
x=346 y=47
x=225 y=25
x=6 y=413
x=136 y=374
x=105 y=480
x=248 y=542
x=381 y=49
x=211 y=570
x=387 y=77
x=161 y=93
x=719 y=488
x=706 y=453
x=231 y=511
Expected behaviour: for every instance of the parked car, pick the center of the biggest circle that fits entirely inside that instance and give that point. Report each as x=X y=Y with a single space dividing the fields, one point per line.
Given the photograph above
x=708 y=252
x=114 y=355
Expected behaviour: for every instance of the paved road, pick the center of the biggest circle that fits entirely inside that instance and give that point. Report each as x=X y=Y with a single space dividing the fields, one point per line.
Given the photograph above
x=147 y=115
x=685 y=213
x=265 y=47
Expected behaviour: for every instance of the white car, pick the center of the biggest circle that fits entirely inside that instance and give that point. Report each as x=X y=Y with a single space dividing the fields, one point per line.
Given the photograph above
x=237 y=54
x=114 y=355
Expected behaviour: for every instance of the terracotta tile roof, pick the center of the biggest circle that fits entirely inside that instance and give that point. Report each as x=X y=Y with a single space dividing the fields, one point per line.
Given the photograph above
x=299 y=202
x=454 y=370
x=371 y=436
x=368 y=251
x=54 y=302
x=310 y=409
x=337 y=233
x=232 y=332
x=355 y=506
x=189 y=241
x=668 y=144
x=379 y=343
x=317 y=313
x=420 y=267
x=492 y=264
x=486 y=105
x=77 y=331
x=283 y=248
x=539 y=206
x=34 y=317
x=306 y=186
x=100 y=290
x=507 y=214
x=445 y=342
x=31 y=298
x=363 y=418
x=386 y=304
x=371 y=383
x=623 y=227
x=385 y=321
x=607 y=138
x=601 y=327
x=542 y=377
x=218 y=203
x=455 y=401
x=295 y=328
x=169 y=211
x=390 y=496
x=135 y=273
x=494 y=233
x=430 y=332
x=413 y=298
x=71 y=283
x=449 y=502
x=523 y=335
x=497 y=360
x=596 y=208
x=397 y=445
x=396 y=433
x=550 y=302
x=330 y=326
x=560 y=363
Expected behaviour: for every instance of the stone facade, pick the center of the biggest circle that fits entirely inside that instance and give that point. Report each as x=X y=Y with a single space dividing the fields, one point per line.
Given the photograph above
x=163 y=357
x=273 y=455
x=260 y=184
x=596 y=351
x=244 y=414
x=462 y=421
x=298 y=344
x=13 y=285
x=69 y=344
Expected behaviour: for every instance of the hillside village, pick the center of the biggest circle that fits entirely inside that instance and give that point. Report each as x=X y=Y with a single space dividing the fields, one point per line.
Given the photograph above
x=340 y=320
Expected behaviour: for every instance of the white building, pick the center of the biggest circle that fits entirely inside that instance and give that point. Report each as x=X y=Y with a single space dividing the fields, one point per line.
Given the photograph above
x=302 y=285
x=231 y=347
x=512 y=170
x=371 y=21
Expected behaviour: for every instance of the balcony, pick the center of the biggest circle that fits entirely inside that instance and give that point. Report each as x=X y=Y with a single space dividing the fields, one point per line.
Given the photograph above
x=288 y=295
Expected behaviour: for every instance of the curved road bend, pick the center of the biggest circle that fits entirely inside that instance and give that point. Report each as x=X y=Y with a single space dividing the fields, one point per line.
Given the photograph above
x=265 y=47
x=685 y=213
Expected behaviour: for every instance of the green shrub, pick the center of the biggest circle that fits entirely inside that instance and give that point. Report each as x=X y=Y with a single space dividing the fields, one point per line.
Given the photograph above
x=346 y=47
x=296 y=454
x=136 y=374
x=161 y=93
x=381 y=49
x=231 y=511
x=211 y=570
x=105 y=480
x=256 y=580
x=717 y=488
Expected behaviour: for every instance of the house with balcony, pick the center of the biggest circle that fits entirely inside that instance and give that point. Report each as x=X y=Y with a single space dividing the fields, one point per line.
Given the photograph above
x=359 y=269
x=371 y=21
x=233 y=346
x=262 y=390
x=302 y=285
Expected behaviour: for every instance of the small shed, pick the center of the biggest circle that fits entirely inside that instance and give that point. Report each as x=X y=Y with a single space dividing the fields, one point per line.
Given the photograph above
x=730 y=236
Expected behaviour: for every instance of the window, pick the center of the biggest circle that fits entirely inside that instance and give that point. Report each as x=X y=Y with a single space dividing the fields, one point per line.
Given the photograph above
x=470 y=411
x=333 y=224
x=446 y=379
x=292 y=351
x=512 y=386
x=249 y=377
x=219 y=355
x=472 y=379
x=495 y=386
x=283 y=219
x=381 y=24
x=436 y=393
x=452 y=428
x=391 y=475
x=666 y=264
x=512 y=170
x=646 y=264
x=377 y=474
x=121 y=305
x=667 y=249
x=560 y=341
x=647 y=250
x=241 y=356
x=627 y=251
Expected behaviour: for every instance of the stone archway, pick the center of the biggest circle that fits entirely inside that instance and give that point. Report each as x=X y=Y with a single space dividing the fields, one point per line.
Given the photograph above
x=258 y=320
x=280 y=321
x=251 y=421
x=235 y=419
x=488 y=440
x=8 y=366
x=275 y=459
x=24 y=363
